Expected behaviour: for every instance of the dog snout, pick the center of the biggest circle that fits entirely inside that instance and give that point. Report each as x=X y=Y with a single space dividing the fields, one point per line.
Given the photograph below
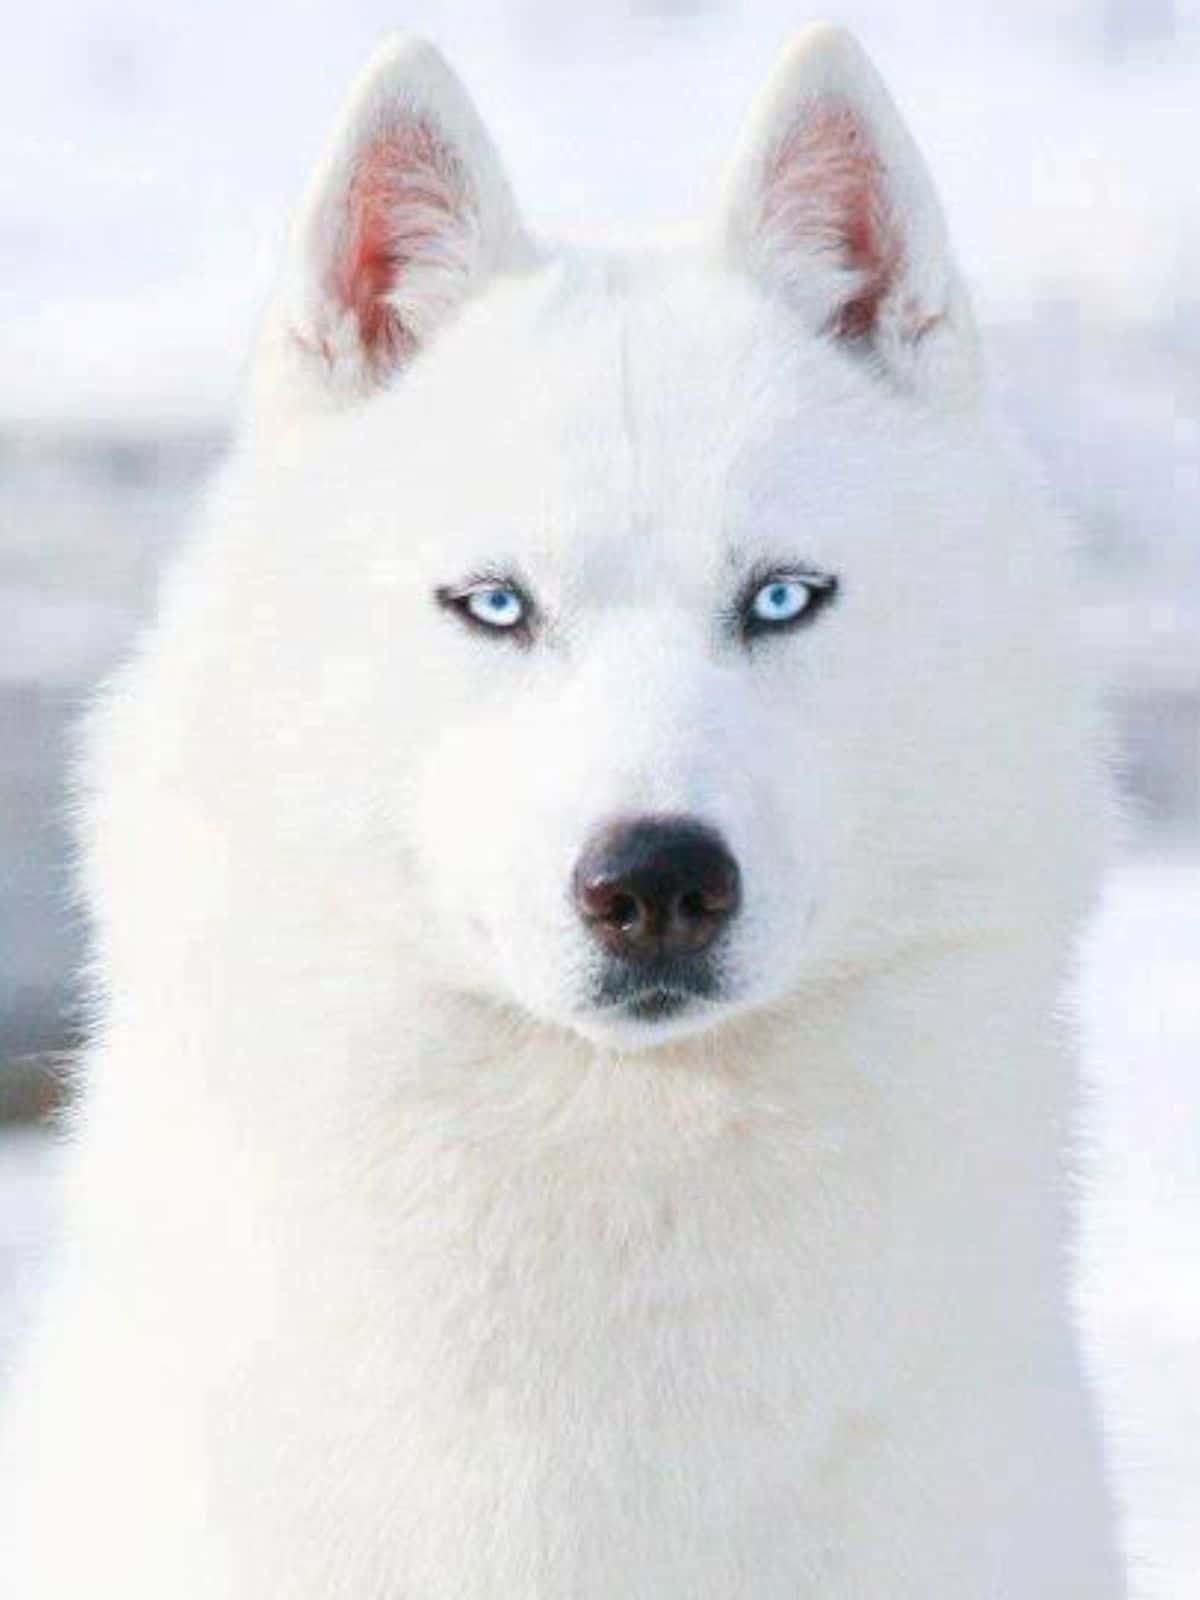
x=655 y=887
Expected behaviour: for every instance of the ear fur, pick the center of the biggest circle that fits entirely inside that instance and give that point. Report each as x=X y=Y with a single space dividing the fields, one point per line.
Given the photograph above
x=829 y=203
x=408 y=213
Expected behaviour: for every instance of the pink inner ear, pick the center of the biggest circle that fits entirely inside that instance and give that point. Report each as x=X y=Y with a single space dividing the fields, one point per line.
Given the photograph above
x=399 y=203
x=825 y=185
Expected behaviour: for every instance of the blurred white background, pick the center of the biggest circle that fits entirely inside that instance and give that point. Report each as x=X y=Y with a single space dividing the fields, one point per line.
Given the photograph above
x=149 y=155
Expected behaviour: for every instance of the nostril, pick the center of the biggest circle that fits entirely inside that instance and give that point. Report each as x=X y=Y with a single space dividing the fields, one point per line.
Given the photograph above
x=622 y=911
x=694 y=905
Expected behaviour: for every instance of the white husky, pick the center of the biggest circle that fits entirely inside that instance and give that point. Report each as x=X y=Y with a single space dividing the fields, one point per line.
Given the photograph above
x=584 y=865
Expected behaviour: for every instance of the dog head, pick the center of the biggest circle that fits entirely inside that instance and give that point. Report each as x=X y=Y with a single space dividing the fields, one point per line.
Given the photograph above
x=658 y=629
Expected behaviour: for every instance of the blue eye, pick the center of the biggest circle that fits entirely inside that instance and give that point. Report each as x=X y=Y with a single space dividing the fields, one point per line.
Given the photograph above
x=781 y=600
x=784 y=600
x=498 y=605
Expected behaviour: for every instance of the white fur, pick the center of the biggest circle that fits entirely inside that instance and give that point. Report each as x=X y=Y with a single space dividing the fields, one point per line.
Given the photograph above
x=399 y=1273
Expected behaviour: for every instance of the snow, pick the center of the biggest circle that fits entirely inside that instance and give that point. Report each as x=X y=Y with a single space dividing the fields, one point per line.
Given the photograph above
x=29 y=1224
x=1141 y=1237
x=1141 y=1010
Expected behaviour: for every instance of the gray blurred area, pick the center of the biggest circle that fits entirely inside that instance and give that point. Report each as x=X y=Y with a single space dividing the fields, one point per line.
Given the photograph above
x=85 y=521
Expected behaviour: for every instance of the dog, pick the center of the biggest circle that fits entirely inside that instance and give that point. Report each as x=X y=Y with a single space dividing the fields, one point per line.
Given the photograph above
x=584 y=865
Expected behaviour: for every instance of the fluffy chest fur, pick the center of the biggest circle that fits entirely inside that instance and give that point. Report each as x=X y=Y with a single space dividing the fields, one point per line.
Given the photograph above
x=574 y=1329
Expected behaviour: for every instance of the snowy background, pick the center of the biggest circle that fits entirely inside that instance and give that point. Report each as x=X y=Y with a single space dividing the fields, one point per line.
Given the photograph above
x=147 y=159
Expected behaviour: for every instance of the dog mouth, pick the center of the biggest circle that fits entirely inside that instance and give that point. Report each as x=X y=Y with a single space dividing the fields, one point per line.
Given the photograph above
x=655 y=994
x=656 y=1005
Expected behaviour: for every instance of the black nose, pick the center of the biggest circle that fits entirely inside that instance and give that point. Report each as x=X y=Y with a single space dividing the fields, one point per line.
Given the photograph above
x=656 y=886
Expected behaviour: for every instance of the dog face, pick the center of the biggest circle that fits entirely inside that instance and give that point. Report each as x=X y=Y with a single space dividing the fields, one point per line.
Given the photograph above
x=622 y=603
x=655 y=599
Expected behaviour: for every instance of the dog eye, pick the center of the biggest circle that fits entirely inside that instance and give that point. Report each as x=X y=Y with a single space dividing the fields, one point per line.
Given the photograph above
x=497 y=604
x=783 y=600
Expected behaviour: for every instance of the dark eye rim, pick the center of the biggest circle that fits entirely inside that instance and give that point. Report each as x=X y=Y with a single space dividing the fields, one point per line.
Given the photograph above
x=823 y=587
x=455 y=598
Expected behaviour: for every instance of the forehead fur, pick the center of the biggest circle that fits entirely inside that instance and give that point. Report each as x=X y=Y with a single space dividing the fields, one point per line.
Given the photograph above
x=609 y=392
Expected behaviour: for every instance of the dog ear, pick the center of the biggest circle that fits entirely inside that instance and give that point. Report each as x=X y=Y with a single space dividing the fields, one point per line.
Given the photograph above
x=829 y=203
x=408 y=213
